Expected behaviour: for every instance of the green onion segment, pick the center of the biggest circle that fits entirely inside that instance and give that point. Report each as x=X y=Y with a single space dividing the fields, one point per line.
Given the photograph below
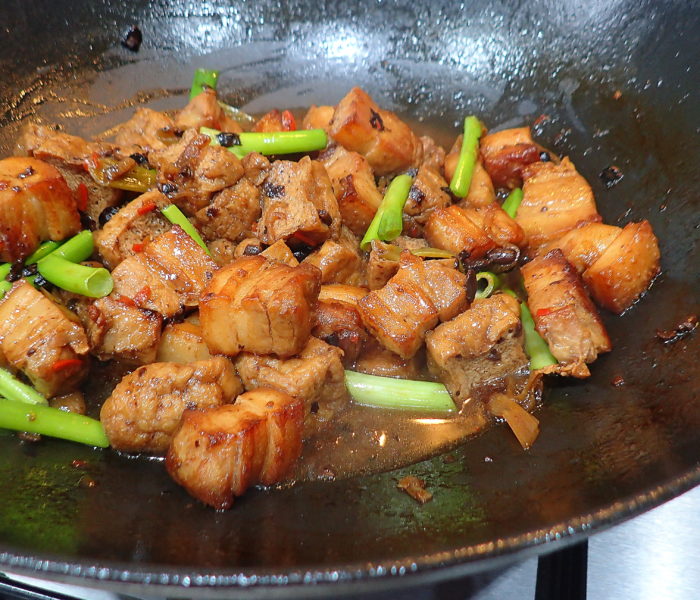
x=203 y=78
x=536 y=346
x=512 y=202
x=79 y=279
x=176 y=217
x=17 y=391
x=462 y=178
x=491 y=282
x=388 y=220
x=273 y=142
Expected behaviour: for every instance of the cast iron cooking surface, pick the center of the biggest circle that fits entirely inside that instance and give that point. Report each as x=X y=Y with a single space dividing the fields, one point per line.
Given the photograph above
x=605 y=453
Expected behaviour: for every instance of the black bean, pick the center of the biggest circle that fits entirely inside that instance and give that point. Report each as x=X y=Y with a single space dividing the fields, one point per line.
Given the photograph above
x=471 y=285
x=376 y=120
x=252 y=250
x=502 y=256
x=107 y=214
x=133 y=39
x=273 y=191
x=29 y=270
x=87 y=222
x=15 y=271
x=228 y=139
x=168 y=189
x=545 y=157
x=140 y=159
x=324 y=217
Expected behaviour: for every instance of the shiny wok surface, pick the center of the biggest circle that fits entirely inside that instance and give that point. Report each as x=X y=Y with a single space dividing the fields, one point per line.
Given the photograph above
x=605 y=452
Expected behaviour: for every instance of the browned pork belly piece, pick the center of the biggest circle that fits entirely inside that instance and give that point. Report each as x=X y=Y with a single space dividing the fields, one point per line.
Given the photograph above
x=147 y=131
x=204 y=110
x=218 y=453
x=258 y=305
x=36 y=204
x=298 y=204
x=339 y=261
x=280 y=252
x=168 y=274
x=481 y=191
x=411 y=303
x=41 y=339
x=555 y=200
x=375 y=359
x=182 y=343
x=625 y=269
x=481 y=344
x=132 y=226
x=255 y=167
x=222 y=251
x=583 y=245
x=337 y=320
x=275 y=120
x=318 y=117
x=564 y=314
x=497 y=224
x=145 y=407
x=69 y=153
x=354 y=187
x=379 y=135
x=118 y=329
x=427 y=194
x=315 y=375
x=455 y=229
x=506 y=153
x=433 y=154
x=232 y=214
x=191 y=171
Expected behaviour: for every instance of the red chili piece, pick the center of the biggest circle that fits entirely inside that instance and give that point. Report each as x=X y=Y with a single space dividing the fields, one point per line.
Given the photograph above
x=66 y=363
x=83 y=197
x=289 y=123
x=146 y=208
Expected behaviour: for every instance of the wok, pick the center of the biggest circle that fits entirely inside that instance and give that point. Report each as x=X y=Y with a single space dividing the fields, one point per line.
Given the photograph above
x=605 y=453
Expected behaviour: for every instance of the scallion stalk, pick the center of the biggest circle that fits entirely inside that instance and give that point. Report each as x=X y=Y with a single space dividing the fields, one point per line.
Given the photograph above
x=79 y=279
x=536 y=346
x=387 y=223
x=273 y=142
x=492 y=283
x=203 y=78
x=176 y=217
x=17 y=391
x=387 y=392
x=52 y=422
x=462 y=178
x=512 y=202
x=43 y=250
x=77 y=248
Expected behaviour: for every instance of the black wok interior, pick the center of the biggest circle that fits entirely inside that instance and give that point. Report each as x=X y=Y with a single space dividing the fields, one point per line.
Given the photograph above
x=605 y=453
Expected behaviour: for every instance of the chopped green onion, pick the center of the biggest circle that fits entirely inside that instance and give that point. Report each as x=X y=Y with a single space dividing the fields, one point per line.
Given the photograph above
x=176 y=217
x=493 y=282
x=203 y=78
x=462 y=178
x=79 y=279
x=512 y=202
x=432 y=253
x=52 y=422
x=387 y=392
x=273 y=142
x=77 y=248
x=43 y=250
x=15 y=390
x=387 y=223
x=137 y=179
x=5 y=286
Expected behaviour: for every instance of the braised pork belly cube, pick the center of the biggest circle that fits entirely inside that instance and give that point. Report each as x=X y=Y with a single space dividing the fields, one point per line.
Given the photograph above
x=625 y=269
x=583 y=245
x=68 y=154
x=232 y=214
x=135 y=280
x=280 y=252
x=555 y=200
x=191 y=171
x=506 y=153
x=382 y=265
x=426 y=195
x=182 y=343
x=481 y=344
x=36 y=204
x=375 y=359
x=411 y=303
x=379 y=135
x=298 y=204
x=275 y=120
x=564 y=314
x=497 y=224
x=218 y=453
x=337 y=320
x=204 y=110
x=481 y=191
x=145 y=407
x=433 y=154
x=147 y=131
x=318 y=117
x=258 y=305
x=222 y=251
x=120 y=330
x=354 y=187
x=41 y=339
x=454 y=229
x=339 y=261
x=315 y=375
x=131 y=227
x=255 y=167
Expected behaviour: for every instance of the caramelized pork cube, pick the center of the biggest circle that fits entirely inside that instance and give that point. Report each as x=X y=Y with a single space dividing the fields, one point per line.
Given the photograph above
x=379 y=135
x=497 y=224
x=339 y=261
x=338 y=323
x=218 y=453
x=375 y=359
x=255 y=168
x=318 y=117
x=446 y=287
x=427 y=194
x=433 y=154
x=260 y=306
x=354 y=187
x=135 y=280
x=118 y=329
x=298 y=204
x=455 y=229
x=350 y=294
x=583 y=245
x=382 y=265
x=131 y=227
x=148 y=130
x=182 y=343
x=191 y=171
x=280 y=252
x=625 y=269
x=36 y=204
x=506 y=153
x=145 y=407
x=41 y=339
x=204 y=110
x=315 y=375
x=232 y=213
x=481 y=344
x=564 y=314
x=275 y=120
x=555 y=200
